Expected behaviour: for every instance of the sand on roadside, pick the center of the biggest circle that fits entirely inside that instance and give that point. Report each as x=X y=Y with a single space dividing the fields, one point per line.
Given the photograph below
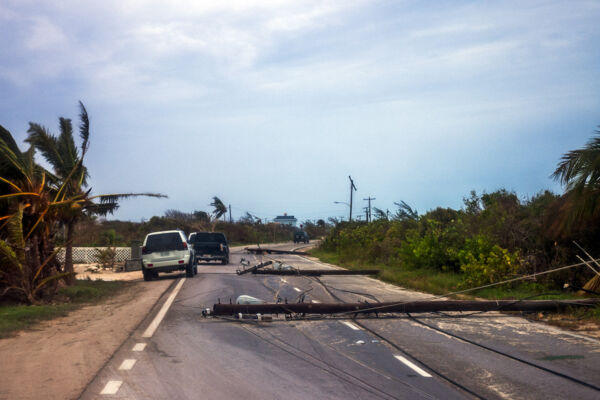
x=56 y=359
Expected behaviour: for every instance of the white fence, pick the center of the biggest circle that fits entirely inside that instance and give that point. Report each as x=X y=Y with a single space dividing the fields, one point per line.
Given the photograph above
x=87 y=255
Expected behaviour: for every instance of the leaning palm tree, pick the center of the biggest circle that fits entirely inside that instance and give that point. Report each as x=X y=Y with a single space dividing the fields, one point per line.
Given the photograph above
x=67 y=163
x=219 y=209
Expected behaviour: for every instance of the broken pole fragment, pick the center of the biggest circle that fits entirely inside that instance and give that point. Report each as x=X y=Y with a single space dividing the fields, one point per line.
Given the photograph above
x=261 y=250
x=402 y=307
x=255 y=268
x=317 y=272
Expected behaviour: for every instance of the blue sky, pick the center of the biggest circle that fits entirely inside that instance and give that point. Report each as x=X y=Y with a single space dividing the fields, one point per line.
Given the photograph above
x=270 y=105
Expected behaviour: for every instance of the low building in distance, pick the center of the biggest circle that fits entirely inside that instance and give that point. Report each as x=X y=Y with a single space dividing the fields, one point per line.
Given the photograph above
x=285 y=220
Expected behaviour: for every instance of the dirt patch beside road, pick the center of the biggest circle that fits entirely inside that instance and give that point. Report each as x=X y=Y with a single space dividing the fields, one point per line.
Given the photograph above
x=57 y=359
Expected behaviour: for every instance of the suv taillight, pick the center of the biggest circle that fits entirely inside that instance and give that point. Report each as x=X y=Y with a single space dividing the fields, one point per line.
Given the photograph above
x=145 y=250
x=185 y=246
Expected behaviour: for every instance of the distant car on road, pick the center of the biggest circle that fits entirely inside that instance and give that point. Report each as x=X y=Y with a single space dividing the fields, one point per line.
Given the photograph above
x=167 y=251
x=210 y=246
x=300 y=236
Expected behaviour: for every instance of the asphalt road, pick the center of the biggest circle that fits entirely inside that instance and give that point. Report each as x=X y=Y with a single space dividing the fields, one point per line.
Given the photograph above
x=432 y=356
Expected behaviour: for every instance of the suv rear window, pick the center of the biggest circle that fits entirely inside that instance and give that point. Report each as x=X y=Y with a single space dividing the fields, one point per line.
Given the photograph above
x=164 y=242
x=204 y=237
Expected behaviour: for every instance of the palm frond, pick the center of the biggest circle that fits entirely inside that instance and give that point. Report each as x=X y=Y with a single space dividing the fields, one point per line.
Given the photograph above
x=580 y=168
x=66 y=147
x=113 y=198
x=46 y=143
x=379 y=213
x=11 y=158
x=405 y=212
x=219 y=207
x=84 y=128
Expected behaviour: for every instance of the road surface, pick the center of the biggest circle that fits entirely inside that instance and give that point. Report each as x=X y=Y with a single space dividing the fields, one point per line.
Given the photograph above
x=176 y=353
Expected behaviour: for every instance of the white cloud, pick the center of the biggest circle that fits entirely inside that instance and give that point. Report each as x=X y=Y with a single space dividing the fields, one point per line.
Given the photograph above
x=44 y=35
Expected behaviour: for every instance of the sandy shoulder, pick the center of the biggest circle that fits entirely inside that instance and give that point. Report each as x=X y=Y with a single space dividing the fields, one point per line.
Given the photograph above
x=56 y=359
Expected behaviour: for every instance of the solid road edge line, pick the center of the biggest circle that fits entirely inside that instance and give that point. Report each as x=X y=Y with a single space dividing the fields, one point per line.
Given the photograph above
x=163 y=311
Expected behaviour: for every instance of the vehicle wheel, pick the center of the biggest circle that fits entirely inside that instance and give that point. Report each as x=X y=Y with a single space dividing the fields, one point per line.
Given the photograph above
x=189 y=270
x=147 y=274
x=225 y=261
x=195 y=269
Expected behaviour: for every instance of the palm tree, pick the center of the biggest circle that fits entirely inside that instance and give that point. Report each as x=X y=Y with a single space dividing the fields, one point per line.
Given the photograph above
x=27 y=210
x=579 y=172
x=67 y=162
x=405 y=212
x=219 y=210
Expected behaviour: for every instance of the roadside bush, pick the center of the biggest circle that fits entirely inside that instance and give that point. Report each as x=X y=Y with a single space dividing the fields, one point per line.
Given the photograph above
x=107 y=257
x=483 y=262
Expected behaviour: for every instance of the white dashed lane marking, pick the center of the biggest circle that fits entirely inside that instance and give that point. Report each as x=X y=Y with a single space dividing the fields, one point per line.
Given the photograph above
x=350 y=325
x=139 y=347
x=297 y=290
x=413 y=367
x=127 y=364
x=111 y=387
x=315 y=301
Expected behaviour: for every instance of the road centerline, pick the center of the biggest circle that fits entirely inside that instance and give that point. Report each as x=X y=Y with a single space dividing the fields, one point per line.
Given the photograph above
x=163 y=311
x=139 y=347
x=350 y=325
x=111 y=387
x=412 y=366
x=127 y=364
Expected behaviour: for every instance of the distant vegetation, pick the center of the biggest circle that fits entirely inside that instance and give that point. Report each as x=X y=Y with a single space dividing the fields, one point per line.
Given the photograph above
x=494 y=236
x=94 y=232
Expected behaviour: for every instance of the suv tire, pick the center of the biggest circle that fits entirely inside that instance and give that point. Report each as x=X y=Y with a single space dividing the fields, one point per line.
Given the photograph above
x=189 y=270
x=147 y=274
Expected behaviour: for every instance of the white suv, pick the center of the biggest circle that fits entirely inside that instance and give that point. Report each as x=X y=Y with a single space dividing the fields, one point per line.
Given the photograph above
x=167 y=251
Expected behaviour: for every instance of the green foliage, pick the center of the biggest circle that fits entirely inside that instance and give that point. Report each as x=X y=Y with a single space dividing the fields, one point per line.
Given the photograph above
x=495 y=236
x=483 y=262
x=91 y=290
x=107 y=257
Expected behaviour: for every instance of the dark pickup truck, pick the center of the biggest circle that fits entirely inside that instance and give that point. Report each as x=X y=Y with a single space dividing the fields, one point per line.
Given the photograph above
x=210 y=246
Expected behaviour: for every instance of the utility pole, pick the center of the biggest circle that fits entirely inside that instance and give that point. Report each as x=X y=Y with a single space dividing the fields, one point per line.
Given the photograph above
x=352 y=187
x=369 y=214
x=230 y=220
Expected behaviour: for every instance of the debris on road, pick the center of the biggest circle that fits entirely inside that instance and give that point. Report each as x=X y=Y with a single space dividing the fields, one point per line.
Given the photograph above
x=260 y=250
x=316 y=272
x=402 y=307
x=252 y=269
x=245 y=299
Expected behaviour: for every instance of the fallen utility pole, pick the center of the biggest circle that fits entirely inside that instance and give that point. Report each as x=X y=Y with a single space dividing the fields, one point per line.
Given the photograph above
x=255 y=268
x=257 y=250
x=411 y=307
x=316 y=272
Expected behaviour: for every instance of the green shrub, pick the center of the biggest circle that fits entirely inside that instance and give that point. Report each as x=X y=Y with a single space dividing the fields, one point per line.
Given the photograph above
x=483 y=262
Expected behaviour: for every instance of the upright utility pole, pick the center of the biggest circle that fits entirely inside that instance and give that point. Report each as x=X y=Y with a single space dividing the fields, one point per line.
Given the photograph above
x=369 y=199
x=352 y=187
x=230 y=220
